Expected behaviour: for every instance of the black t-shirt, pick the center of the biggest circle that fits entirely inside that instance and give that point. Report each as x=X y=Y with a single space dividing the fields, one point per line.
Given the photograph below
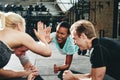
x=106 y=52
x=5 y=54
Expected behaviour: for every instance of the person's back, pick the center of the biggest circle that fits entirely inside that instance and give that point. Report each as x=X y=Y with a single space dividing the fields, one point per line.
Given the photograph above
x=4 y=37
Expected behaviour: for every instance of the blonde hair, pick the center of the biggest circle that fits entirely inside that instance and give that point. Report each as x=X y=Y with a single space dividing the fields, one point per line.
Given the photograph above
x=84 y=26
x=2 y=20
x=12 y=19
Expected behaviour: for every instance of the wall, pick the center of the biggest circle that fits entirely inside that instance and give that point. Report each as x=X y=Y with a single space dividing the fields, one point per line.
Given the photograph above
x=101 y=15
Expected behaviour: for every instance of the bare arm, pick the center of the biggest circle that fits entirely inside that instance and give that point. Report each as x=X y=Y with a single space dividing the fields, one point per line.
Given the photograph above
x=41 y=49
x=28 y=69
x=12 y=74
x=24 y=59
x=65 y=66
x=27 y=41
x=98 y=73
x=68 y=75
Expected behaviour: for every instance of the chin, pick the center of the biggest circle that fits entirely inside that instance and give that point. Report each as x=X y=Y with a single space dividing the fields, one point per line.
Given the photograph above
x=59 y=42
x=81 y=49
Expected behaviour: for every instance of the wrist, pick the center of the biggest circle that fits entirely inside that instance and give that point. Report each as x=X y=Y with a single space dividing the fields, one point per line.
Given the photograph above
x=22 y=74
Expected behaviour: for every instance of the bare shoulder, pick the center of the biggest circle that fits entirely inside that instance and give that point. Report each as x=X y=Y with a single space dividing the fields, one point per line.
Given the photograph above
x=24 y=37
x=19 y=38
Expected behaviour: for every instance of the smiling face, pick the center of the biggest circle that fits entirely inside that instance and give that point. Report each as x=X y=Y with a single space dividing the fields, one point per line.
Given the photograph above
x=83 y=33
x=20 y=50
x=80 y=41
x=61 y=34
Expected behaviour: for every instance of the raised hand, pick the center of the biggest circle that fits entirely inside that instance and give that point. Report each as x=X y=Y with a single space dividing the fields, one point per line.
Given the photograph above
x=47 y=37
x=40 y=32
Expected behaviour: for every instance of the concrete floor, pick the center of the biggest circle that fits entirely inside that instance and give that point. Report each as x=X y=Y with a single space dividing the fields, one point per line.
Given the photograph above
x=45 y=64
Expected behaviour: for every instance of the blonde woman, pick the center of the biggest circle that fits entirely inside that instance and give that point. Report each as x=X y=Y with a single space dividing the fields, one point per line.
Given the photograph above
x=13 y=39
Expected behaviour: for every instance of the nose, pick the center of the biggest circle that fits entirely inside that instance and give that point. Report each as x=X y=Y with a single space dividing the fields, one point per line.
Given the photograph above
x=59 y=35
x=74 y=41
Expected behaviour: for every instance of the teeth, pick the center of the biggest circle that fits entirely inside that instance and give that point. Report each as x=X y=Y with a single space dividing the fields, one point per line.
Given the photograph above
x=59 y=39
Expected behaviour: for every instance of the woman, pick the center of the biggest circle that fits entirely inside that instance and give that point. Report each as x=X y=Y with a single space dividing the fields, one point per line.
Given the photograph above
x=65 y=44
x=13 y=37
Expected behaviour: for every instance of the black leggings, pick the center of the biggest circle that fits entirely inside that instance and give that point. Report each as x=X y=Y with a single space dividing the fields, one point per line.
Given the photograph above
x=37 y=78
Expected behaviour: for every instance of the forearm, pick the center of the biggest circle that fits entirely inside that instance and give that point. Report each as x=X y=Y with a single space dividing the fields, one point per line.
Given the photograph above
x=83 y=75
x=76 y=77
x=11 y=74
x=63 y=67
x=44 y=42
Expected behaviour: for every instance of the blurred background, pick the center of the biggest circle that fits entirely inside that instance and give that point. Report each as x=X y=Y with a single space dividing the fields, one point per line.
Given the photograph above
x=104 y=14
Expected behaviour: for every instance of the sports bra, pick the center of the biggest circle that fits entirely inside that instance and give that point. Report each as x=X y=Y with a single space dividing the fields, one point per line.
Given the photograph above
x=5 y=54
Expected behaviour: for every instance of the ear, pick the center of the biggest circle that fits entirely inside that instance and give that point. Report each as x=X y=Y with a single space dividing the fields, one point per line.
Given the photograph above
x=18 y=26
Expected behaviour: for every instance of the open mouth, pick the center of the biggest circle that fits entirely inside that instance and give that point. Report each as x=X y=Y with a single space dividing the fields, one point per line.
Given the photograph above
x=59 y=39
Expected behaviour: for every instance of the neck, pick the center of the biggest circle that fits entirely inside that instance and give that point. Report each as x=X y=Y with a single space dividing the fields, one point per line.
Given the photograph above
x=90 y=42
x=61 y=45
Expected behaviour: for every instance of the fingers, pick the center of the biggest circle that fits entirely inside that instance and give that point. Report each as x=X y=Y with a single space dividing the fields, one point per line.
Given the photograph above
x=55 y=65
x=35 y=31
x=44 y=26
x=55 y=68
x=48 y=30
x=40 y=26
x=42 y=32
x=32 y=76
x=65 y=72
x=32 y=68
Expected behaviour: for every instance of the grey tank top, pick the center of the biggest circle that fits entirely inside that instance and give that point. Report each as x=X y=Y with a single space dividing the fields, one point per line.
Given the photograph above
x=5 y=54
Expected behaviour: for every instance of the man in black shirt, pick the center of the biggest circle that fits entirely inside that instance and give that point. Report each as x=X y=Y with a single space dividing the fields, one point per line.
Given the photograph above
x=104 y=56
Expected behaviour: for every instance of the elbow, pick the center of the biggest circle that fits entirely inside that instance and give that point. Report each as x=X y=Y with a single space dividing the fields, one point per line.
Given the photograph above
x=67 y=66
x=49 y=53
x=44 y=53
